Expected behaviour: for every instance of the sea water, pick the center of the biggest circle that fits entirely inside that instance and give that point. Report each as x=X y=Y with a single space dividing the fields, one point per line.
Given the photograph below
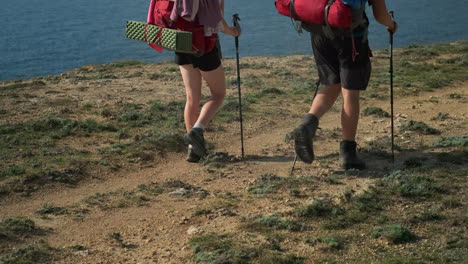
x=40 y=37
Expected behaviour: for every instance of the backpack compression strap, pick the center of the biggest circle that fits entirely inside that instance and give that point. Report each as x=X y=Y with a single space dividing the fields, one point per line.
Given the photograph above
x=292 y=10
x=297 y=23
x=327 y=30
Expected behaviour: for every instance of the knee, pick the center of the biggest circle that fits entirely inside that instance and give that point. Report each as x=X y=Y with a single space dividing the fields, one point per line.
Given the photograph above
x=193 y=99
x=192 y=104
x=219 y=95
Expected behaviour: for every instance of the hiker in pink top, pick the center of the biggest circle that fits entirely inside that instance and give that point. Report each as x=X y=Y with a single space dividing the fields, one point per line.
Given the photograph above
x=207 y=67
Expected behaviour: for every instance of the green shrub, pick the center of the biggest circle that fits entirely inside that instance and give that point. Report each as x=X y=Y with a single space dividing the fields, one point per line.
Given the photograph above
x=440 y=117
x=40 y=253
x=453 y=158
x=217 y=160
x=395 y=234
x=455 y=96
x=377 y=111
x=252 y=81
x=13 y=228
x=282 y=72
x=159 y=141
x=267 y=183
x=159 y=77
x=379 y=148
x=215 y=248
x=437 y=82
x=456 y=141
x=13 y=170
x=302 y=86
x=331 y=242
x=368 y=201
x=211 y=248
x=412 y=184
x=121 y=64
x=13 y=86
x=401 y=260
x=427 y=215
x=278 y=258
x=415 y=162
x=49 y=209
x=451 y=202
x=419 y=127
x=317 y=208
x=267 y=91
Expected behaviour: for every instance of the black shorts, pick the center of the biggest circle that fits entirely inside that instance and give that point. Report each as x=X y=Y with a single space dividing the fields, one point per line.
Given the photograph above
x=207 y=62
x=335 y=64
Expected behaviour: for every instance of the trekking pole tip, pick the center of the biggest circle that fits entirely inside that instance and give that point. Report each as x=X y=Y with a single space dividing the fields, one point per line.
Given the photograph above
x=291 y=173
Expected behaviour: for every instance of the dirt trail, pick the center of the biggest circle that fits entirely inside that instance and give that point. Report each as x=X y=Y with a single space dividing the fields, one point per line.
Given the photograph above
x=157 y=232
x=157 y=229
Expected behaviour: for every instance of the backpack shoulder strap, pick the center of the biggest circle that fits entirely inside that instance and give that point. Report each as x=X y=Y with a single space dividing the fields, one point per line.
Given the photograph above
x=358 y=16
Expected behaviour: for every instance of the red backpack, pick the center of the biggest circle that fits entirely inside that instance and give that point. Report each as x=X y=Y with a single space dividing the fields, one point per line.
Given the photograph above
x=327 y=15
x=159 y=14
x=339 y=14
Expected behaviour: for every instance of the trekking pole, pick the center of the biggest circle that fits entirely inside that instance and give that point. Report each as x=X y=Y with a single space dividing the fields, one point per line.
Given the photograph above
x=235 y=21
x=293 y=166
x=391 y=92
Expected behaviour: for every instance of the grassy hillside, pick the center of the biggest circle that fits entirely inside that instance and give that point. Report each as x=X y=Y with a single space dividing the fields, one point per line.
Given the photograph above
x=92 y=167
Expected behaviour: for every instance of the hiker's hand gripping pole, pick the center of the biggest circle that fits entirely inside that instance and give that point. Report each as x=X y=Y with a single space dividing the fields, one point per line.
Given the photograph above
x=391 y=91
x=235 y=22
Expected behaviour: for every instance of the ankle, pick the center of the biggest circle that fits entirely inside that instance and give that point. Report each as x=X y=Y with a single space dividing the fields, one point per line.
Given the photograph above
x=199 y=125
x=348 y=147
x=310 y=119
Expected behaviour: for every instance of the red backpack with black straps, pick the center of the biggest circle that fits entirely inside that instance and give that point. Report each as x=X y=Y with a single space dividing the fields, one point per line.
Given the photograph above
x=159 y=14
x=339 y=14
x=330 y=15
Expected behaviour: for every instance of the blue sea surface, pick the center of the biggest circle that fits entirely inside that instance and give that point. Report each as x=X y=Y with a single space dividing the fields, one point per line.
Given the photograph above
x=49 y=37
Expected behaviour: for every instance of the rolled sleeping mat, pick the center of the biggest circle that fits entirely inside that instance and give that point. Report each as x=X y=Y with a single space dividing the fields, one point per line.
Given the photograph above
x=166 y=38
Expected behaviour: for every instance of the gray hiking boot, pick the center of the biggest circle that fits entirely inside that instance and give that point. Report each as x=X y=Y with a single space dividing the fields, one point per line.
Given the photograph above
x=303 y=139
x=191 y=156
x=348 y=156
x=196 y=139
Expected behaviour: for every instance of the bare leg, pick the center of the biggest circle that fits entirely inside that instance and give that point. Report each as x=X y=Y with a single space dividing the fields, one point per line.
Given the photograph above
x=350 y=114
x=304 y=133
x=325 y=100
x=193 y=83
x=217 y=84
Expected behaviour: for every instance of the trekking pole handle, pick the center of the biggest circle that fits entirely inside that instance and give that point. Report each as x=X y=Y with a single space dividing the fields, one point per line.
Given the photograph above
x=393 y=19
x=235 y=22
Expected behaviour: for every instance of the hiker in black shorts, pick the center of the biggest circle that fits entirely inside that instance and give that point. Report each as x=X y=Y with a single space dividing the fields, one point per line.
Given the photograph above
x=344 y=67
x=194 y=69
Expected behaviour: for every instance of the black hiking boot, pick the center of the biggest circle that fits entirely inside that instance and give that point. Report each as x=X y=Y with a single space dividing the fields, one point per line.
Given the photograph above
x=196 y=139
x=348 y=156
x=191 y=156
x=303 y=136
